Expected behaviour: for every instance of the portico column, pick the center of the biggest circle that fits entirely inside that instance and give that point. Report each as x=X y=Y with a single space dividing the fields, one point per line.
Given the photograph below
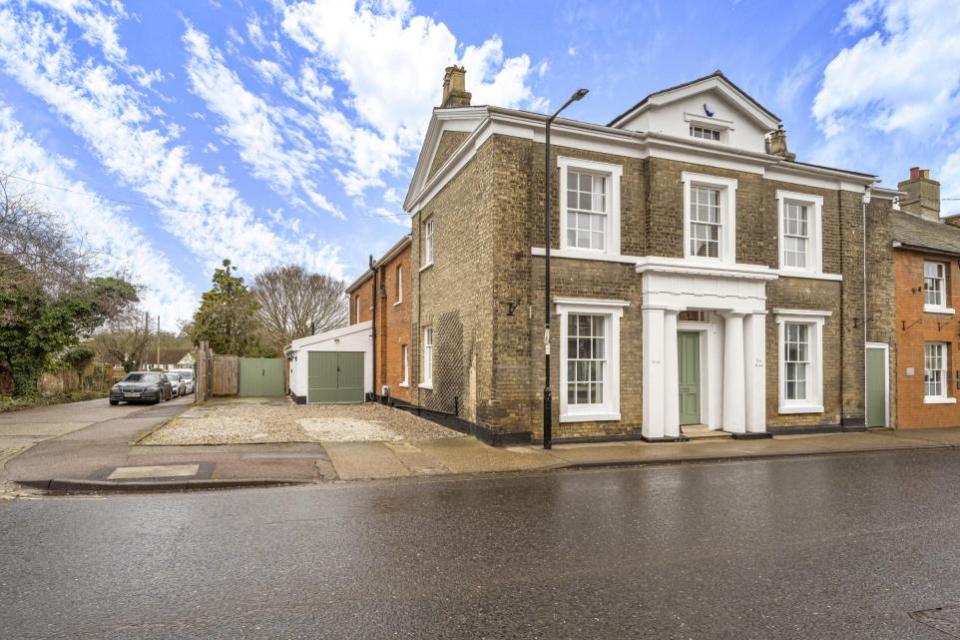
x=671 y=376
x=755 y=330
x=653 y=374
x=734 y=396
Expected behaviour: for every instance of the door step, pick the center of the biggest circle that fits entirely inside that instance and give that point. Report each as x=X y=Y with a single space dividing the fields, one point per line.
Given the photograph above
x=699 y=432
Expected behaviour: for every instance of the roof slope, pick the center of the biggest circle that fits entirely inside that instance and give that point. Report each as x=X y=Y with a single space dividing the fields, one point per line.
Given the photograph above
x=915 y=232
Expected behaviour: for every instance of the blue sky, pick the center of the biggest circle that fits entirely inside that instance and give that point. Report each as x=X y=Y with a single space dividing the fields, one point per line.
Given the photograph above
x=170 y=135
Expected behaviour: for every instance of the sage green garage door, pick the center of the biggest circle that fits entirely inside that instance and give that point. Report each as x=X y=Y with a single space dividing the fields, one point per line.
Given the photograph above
x=334 y=376
x=261 y=377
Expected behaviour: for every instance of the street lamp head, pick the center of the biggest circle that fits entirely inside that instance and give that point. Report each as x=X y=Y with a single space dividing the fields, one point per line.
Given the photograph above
x=580 y=93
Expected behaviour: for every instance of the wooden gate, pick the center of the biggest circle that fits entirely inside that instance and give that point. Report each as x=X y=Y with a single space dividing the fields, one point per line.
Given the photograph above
x=262 y=377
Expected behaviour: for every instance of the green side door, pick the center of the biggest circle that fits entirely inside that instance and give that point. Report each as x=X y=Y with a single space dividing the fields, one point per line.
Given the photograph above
x=876 y=387
x=262 y=377
x=688 y=347
x=334 y=377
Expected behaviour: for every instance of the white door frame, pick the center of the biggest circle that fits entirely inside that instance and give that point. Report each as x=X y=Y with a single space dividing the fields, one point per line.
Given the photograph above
x=702 y=329
x=886 y=379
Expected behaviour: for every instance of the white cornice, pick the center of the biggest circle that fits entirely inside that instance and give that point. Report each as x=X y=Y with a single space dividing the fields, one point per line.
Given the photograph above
x=715 y=269
x=630 y=144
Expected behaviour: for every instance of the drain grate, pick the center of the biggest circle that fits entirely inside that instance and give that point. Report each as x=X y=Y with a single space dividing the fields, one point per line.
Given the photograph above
x=944 y=619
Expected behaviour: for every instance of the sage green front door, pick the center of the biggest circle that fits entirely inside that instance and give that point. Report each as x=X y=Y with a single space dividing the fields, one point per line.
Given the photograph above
x=688 y=345
x=262 y=377
x=876 y=387
x=334 y=377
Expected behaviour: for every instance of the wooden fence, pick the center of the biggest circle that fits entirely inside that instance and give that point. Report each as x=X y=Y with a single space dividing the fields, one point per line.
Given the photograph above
x=226 y=375
x=216 y=375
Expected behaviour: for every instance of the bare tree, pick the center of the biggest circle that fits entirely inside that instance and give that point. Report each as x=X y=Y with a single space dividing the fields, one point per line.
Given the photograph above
x=125 y=339
x=38 y=241
x=294 y=303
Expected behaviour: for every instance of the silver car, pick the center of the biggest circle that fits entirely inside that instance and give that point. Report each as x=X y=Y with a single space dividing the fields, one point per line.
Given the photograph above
x=177 y=385
x=187 y=377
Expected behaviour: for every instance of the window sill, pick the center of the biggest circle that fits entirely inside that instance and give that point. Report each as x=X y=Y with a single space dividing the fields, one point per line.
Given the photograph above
x=938 y=400
x=800 y=408
x=810 y=275
x=426 y=385
x=584 y=254
x=945 y=311
x=600 y=416
x=404 y=385
x=425 y=267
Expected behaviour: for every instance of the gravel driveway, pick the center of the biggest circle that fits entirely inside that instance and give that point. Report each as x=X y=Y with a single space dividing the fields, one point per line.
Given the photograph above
x=275 y=420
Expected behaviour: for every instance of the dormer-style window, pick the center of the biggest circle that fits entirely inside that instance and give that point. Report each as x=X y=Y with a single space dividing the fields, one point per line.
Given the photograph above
x=709 y=217
x=589 y=207
x=704 y=133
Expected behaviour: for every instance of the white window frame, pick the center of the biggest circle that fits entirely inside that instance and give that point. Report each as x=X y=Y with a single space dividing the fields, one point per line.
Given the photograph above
x=715 y=134
x=728 y=215
x=428 y=231
x=356 y=305
x=944 y=397
x=405 y=354
x=613 y=174
x=815 y=320
x=612 y=311
x=814 y=204
x=942 y=307
x=426 y=359
x=399 y=272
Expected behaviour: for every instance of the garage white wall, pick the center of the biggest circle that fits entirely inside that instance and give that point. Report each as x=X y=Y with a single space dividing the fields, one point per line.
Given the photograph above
x=356 y=337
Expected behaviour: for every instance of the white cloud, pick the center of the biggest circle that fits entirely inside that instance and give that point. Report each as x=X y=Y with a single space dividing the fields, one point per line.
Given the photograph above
x=258 y=129
x=100 y=29
x=115 y=123
x=120 y=244
x=889 y=78
x=397 y=218
x=392 y=62
x=860 y=15
x=896 y=88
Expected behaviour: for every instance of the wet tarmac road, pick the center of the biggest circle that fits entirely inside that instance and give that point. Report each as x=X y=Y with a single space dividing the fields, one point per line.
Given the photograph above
x=831 y=547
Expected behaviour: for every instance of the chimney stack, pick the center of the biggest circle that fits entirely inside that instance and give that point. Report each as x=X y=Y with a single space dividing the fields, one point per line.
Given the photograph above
x=455 y=88
x=777 y=144
x=922 y=195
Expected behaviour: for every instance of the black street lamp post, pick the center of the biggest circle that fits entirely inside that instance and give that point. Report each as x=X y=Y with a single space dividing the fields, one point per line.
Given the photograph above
x=548 y=233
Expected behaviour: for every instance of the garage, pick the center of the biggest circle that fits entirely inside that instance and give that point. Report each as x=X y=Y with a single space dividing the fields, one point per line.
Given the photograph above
x=334 y=367
x=334 y=376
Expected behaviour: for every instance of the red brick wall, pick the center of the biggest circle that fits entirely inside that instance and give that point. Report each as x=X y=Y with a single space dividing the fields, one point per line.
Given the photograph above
x=915 y=328
x=393 y=326
x=362 y=297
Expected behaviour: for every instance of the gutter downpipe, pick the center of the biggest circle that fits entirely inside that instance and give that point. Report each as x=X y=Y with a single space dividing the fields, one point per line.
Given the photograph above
x=373 y=324
x=866 y=201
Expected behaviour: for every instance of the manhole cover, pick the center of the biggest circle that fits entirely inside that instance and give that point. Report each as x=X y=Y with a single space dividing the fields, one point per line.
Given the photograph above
x=156 y=471
x=945 y=619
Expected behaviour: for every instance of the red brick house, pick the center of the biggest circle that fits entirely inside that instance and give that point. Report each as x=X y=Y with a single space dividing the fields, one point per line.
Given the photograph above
x=382 y=294
x=925 y=250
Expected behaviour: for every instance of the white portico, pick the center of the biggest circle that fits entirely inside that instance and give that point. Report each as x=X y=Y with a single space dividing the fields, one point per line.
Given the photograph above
x=729 y=320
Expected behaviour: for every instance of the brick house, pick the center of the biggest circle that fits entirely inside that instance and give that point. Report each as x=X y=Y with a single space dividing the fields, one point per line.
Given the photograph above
x=390 y=311
x=701 y=274
x=925 y=252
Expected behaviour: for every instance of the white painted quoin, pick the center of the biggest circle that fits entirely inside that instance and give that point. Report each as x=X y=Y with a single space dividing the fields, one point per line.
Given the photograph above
x=354 y=338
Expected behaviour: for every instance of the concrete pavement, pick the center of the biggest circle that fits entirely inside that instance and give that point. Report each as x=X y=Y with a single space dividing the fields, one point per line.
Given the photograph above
x=93 y=447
